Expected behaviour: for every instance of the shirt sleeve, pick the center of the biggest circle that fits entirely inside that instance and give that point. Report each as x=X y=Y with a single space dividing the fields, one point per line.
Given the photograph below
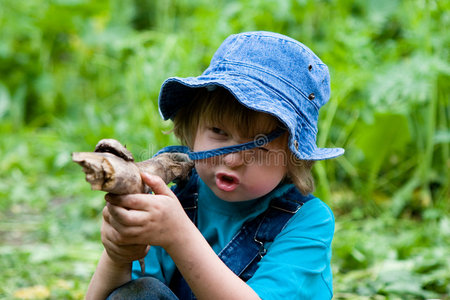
x=297 y=263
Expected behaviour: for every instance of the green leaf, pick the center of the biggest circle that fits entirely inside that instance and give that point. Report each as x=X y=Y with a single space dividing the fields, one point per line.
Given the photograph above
x=388 y=134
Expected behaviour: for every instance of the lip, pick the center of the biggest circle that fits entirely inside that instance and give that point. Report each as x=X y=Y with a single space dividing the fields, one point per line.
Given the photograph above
x=227 y=182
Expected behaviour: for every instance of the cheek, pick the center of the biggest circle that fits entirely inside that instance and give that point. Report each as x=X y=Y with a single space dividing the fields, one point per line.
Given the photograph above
x=260 y=190
x=264 y=180
x=205 y=167
x=277 y=159
x=201 y=167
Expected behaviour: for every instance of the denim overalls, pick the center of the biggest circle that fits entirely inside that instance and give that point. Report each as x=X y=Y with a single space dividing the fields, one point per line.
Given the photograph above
x=247 y=247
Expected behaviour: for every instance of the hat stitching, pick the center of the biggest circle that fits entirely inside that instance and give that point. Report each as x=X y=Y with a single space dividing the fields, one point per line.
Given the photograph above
x=232 y=46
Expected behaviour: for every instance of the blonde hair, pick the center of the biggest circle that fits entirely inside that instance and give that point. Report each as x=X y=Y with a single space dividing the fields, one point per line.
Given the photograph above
x=220 y=107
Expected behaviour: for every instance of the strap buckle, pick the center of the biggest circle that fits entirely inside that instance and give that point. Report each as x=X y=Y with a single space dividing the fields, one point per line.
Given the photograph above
x=262 y=250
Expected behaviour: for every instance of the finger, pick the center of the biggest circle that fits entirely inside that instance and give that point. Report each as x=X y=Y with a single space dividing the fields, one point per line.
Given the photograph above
x=130 y=201
x=158 y=186
x=126 y=217
x=106 y=214
x=125 y=234
x=120 y=235
x=109 y=234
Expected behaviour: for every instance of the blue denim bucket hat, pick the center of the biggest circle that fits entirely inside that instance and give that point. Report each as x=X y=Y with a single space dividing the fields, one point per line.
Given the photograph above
x=266 y=72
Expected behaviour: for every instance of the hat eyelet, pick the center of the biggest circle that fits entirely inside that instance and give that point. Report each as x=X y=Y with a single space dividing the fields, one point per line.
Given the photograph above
x=310 y=67
x=311 y=96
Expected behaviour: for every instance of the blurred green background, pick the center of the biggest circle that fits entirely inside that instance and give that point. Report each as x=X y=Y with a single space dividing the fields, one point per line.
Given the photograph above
x=75 y=71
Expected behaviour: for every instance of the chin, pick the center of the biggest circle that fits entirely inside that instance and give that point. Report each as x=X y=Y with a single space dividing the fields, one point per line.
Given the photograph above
x=234 y=196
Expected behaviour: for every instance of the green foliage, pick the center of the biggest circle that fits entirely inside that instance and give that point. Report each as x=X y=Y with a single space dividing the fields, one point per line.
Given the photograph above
x=386 y=136
x=75 y=71
x=397 y=259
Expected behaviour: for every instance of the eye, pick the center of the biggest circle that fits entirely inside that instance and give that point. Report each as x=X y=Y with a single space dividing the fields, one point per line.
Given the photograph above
x=263 y=149
x=218 y=131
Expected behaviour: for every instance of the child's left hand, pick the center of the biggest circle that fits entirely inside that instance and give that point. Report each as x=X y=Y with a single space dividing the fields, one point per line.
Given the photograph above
x=146 y=219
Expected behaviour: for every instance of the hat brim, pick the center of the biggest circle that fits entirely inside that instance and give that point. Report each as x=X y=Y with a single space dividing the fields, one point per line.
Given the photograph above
x=176 y=92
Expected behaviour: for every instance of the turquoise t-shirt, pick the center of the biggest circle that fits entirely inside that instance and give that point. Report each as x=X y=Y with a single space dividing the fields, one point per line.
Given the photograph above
x=297 y=263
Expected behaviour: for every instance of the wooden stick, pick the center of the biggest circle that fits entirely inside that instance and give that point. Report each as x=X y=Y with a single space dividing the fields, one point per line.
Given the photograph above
x=111 y=168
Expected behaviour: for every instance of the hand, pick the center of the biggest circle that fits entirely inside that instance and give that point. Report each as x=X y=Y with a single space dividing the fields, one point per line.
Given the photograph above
x=143 y=219
x=118 y=250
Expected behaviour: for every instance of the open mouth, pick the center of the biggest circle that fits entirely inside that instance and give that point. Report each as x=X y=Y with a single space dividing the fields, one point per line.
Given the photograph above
x=226 y=182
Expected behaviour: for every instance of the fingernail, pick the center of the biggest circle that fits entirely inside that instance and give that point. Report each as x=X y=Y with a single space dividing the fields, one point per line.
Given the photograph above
x=147 y=175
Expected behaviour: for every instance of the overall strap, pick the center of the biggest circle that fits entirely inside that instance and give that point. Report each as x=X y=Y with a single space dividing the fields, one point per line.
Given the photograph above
x=252 y=238
x=187 y=194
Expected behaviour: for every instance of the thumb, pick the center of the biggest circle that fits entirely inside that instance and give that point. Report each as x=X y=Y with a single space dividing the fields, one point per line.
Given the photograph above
x=157 y=185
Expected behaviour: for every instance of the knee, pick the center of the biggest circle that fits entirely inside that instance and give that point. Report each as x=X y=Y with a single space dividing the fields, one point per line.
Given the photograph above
x=142 y=288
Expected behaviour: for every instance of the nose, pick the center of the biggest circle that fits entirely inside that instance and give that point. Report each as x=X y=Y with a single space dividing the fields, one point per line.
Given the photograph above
x=233 y=160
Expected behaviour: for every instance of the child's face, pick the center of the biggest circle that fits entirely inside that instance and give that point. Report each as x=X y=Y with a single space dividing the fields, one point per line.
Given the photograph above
x=238 y=176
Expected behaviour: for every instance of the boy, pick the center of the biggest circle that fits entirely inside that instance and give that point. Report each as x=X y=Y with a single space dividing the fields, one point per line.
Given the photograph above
x=245 y=225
